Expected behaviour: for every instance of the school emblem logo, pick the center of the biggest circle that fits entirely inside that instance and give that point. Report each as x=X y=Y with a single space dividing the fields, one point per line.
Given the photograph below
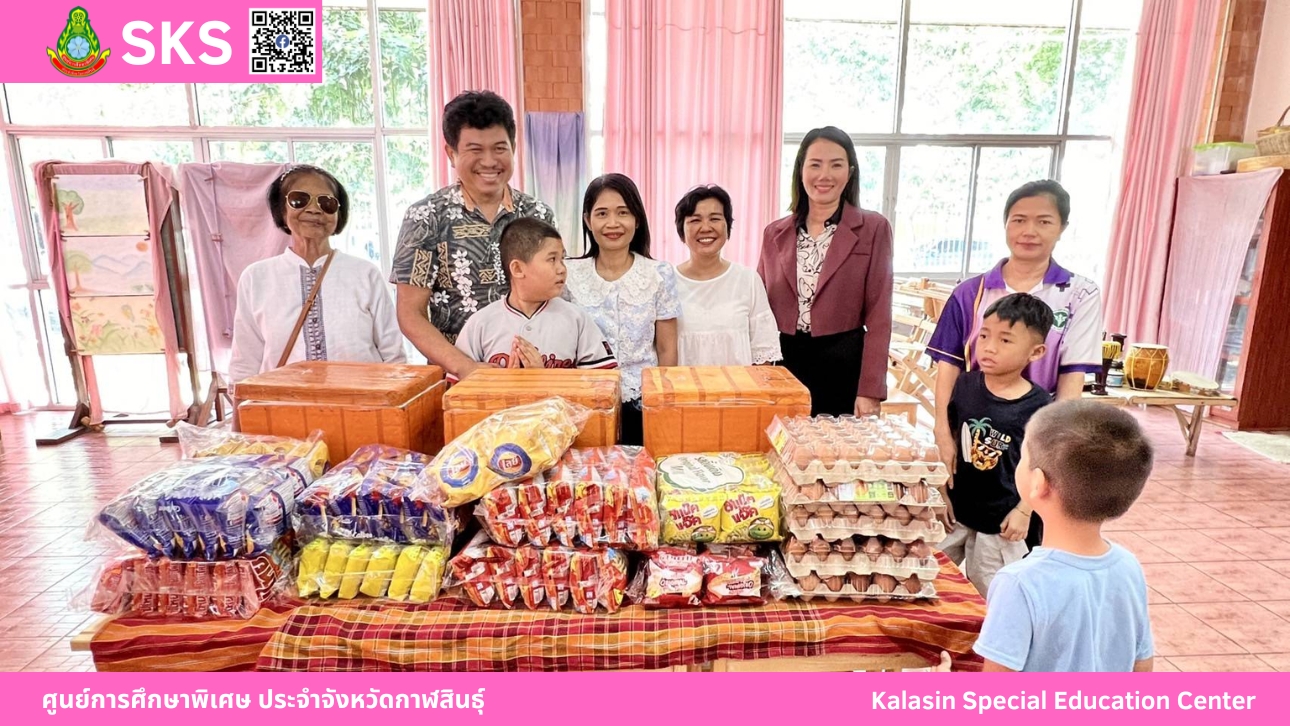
x=1060 y=318
x=77 y=53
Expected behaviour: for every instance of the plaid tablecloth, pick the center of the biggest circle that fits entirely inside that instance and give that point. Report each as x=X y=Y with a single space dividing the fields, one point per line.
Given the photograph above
x=151 y=644
x=451 y=635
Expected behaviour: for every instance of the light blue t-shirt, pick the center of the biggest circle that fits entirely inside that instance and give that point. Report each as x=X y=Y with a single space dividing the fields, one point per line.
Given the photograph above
x=1059 y=612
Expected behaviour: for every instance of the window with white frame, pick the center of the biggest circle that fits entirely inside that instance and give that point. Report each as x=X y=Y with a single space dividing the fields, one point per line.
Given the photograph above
x=367 y=124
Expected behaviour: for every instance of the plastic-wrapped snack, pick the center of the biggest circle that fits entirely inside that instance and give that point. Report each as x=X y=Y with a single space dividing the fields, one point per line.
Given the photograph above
x=720 y=497
x=371 y=569
x=313 y=557
x=334 y=568
x=405 y=571
x=429 y=575
x=555 y=576
x=372 y=495
x=200 y=442
x=532 y=577
x=210 y=509
x=674 y=578
x=732 y=580
x=380 y=570
x=509 y=445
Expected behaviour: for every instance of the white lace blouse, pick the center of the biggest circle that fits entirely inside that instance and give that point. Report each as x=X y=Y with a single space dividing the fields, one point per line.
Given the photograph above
x=726 y=321
x=626 y=310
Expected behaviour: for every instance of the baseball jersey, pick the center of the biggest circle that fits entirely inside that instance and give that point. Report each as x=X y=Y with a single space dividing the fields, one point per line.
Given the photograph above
x=1074 y=343
x=565 y=334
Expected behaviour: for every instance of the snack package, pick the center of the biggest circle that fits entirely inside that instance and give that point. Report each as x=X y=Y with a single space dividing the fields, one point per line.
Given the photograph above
x=209 y=509
x=732 y=580
x=136 y=585
x=674 y=578
x=510 y=445
x=527 y=576
x=198 y=442
x=351 y=569
x=592 y=498
x=720 y=497
x=373 y=495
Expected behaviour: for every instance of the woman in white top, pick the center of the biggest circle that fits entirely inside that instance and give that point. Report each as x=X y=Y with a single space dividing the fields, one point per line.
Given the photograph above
x=726 y=319
x=631 y=296
x=352 y=318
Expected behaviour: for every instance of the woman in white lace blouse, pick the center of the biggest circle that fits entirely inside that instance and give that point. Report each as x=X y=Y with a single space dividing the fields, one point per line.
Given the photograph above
x=726 y=319
x=631 y=296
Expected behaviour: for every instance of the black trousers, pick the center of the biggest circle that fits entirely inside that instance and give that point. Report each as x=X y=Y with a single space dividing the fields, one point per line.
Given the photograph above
x=631 y=424
x=829 y=367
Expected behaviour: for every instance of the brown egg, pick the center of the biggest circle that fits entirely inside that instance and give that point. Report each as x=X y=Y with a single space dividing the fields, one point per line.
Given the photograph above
x=848 y=452
x=920 y=549
x=802 y=456
x=903 y=516
x=850 y=510
x=890 y=508
x=896 y=549
x=795 y=548
x=918 y=492
x=885 y=583
x=879 y=454
x=809 y=582
x=814 y=491
x=873 y=510
x=825 y=516
x=846 y=548
x=860 y=583
x=902 y=453
x=834 y=583
x=930 y=453
x=827 y=454
x=872 y=547
x=820 y=548
x=912 y=585
x=923 y=513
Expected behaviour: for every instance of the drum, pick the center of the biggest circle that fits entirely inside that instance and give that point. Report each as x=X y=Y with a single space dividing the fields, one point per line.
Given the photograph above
x=1145 y=365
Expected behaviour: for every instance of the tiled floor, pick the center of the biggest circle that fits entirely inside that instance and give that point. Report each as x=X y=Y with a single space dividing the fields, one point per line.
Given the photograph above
x=1213 y=534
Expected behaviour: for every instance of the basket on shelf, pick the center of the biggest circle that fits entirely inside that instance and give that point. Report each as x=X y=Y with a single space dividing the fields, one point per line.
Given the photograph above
x=1275 y=140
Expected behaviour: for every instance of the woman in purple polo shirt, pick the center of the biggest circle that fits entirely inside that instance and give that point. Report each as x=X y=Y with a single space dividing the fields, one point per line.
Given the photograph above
x=1035 y=216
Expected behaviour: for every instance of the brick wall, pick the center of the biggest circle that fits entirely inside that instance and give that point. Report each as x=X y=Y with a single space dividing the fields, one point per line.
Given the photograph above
x=551 y=54
x=1236 y=70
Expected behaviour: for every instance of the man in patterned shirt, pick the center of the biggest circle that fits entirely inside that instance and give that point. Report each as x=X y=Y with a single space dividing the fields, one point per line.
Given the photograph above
x=448 y=265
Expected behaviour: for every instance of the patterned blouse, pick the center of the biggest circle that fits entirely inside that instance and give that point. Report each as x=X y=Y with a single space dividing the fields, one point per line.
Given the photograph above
x=626 y=310
x=448 y=246
x=810 y=260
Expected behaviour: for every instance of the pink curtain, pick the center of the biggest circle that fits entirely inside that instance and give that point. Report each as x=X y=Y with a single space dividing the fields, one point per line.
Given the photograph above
x=472 y=48
x=1216 y=218
x=160 y=189
x=695 y=96
x=1175 y=53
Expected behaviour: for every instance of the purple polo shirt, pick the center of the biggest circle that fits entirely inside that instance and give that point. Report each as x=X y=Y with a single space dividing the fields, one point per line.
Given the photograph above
x=1074 y=343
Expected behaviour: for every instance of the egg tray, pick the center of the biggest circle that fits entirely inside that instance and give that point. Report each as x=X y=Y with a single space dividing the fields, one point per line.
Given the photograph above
x=930 y=532
x=933 y=474
x=926 y=568
x=932 y=501
x=874 y=593
x=859 y=492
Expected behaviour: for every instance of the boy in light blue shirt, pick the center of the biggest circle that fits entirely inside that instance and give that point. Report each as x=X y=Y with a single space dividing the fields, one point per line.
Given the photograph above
x=1078 y=602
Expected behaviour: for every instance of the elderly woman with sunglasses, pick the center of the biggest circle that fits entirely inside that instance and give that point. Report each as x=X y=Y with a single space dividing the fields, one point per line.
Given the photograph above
x=311 y=302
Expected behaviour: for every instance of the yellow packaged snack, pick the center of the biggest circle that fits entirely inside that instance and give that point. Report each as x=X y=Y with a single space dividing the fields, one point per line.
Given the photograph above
x=720 y=497
x=405 y=571
x=337 y=561
x=312 y=559
x=429 y=576
x=380 y=569
x=354 y=571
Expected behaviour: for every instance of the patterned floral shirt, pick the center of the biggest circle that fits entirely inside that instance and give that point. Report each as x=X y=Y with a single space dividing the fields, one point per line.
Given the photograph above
x=810 y=260
x=447 y=246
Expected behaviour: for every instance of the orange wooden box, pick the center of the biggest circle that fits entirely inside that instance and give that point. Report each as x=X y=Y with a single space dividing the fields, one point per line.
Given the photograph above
x=727 y=408
x=354 y=404
x=489 y=390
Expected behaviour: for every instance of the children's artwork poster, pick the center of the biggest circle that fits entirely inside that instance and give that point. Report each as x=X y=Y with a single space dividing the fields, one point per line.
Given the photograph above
x=101 y=205
x=100 y=266
x=116 y=325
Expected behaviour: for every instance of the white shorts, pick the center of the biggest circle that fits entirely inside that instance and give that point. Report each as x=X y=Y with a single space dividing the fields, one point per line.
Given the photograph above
x=981 y=555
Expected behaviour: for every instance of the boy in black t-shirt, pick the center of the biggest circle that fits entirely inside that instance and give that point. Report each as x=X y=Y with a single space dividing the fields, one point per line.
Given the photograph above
x=989 y=409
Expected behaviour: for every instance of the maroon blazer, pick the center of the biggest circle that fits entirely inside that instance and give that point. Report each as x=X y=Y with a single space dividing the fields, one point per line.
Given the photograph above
x=854 y=288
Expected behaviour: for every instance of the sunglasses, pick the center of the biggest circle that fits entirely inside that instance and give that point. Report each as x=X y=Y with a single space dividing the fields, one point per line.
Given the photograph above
x=326 y=202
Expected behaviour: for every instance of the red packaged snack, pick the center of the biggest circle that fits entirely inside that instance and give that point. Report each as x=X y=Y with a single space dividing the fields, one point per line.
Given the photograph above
x=502 y=516
x=528 y=567
x=555 y=575
x=227 y=602
x=732 y=580
x=172 y=584
x=613 y=579
x=533 y=509
x=113 y=589
x=675 y=578
x=584 y=582
x=560 y=498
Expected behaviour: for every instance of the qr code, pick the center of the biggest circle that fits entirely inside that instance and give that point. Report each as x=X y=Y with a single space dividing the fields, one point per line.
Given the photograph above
x=282 y=41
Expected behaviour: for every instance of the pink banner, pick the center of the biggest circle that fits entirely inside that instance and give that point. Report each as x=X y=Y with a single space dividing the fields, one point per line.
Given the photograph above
x=104 y=699
x=161 y=41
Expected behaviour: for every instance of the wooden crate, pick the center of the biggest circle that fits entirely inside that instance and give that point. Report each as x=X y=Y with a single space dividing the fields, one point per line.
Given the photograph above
x=693 y=410
x=354 y=404
x=489 y=390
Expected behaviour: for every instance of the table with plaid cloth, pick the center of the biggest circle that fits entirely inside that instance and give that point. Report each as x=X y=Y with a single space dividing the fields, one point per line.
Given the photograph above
x=155 y=645
x=452 y=635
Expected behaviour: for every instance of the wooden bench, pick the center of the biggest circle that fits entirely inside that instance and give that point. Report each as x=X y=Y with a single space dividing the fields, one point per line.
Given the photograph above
x=899 y=403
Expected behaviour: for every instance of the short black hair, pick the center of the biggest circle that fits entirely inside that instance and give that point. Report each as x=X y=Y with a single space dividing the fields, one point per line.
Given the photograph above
x=1042 y=188
x=277 y=196
x=1024 y=308
x=478 y=110
x=690 y=202
x=801 y=203
x=522 y=239
x=1095 y=456
x=626 y=188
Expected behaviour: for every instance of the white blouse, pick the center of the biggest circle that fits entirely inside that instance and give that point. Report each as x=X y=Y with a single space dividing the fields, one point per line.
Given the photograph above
x=726 y=321
x=626 y=310
x=352 y=319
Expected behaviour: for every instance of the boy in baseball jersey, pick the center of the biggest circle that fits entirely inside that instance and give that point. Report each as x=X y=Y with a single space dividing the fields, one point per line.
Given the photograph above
x=533 y=327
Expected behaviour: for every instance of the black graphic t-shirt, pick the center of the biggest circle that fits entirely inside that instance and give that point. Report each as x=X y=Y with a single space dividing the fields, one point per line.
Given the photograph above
x=988 y=431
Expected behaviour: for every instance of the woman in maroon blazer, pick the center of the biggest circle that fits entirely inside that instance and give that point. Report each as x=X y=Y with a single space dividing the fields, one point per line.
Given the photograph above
x=827 y=269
